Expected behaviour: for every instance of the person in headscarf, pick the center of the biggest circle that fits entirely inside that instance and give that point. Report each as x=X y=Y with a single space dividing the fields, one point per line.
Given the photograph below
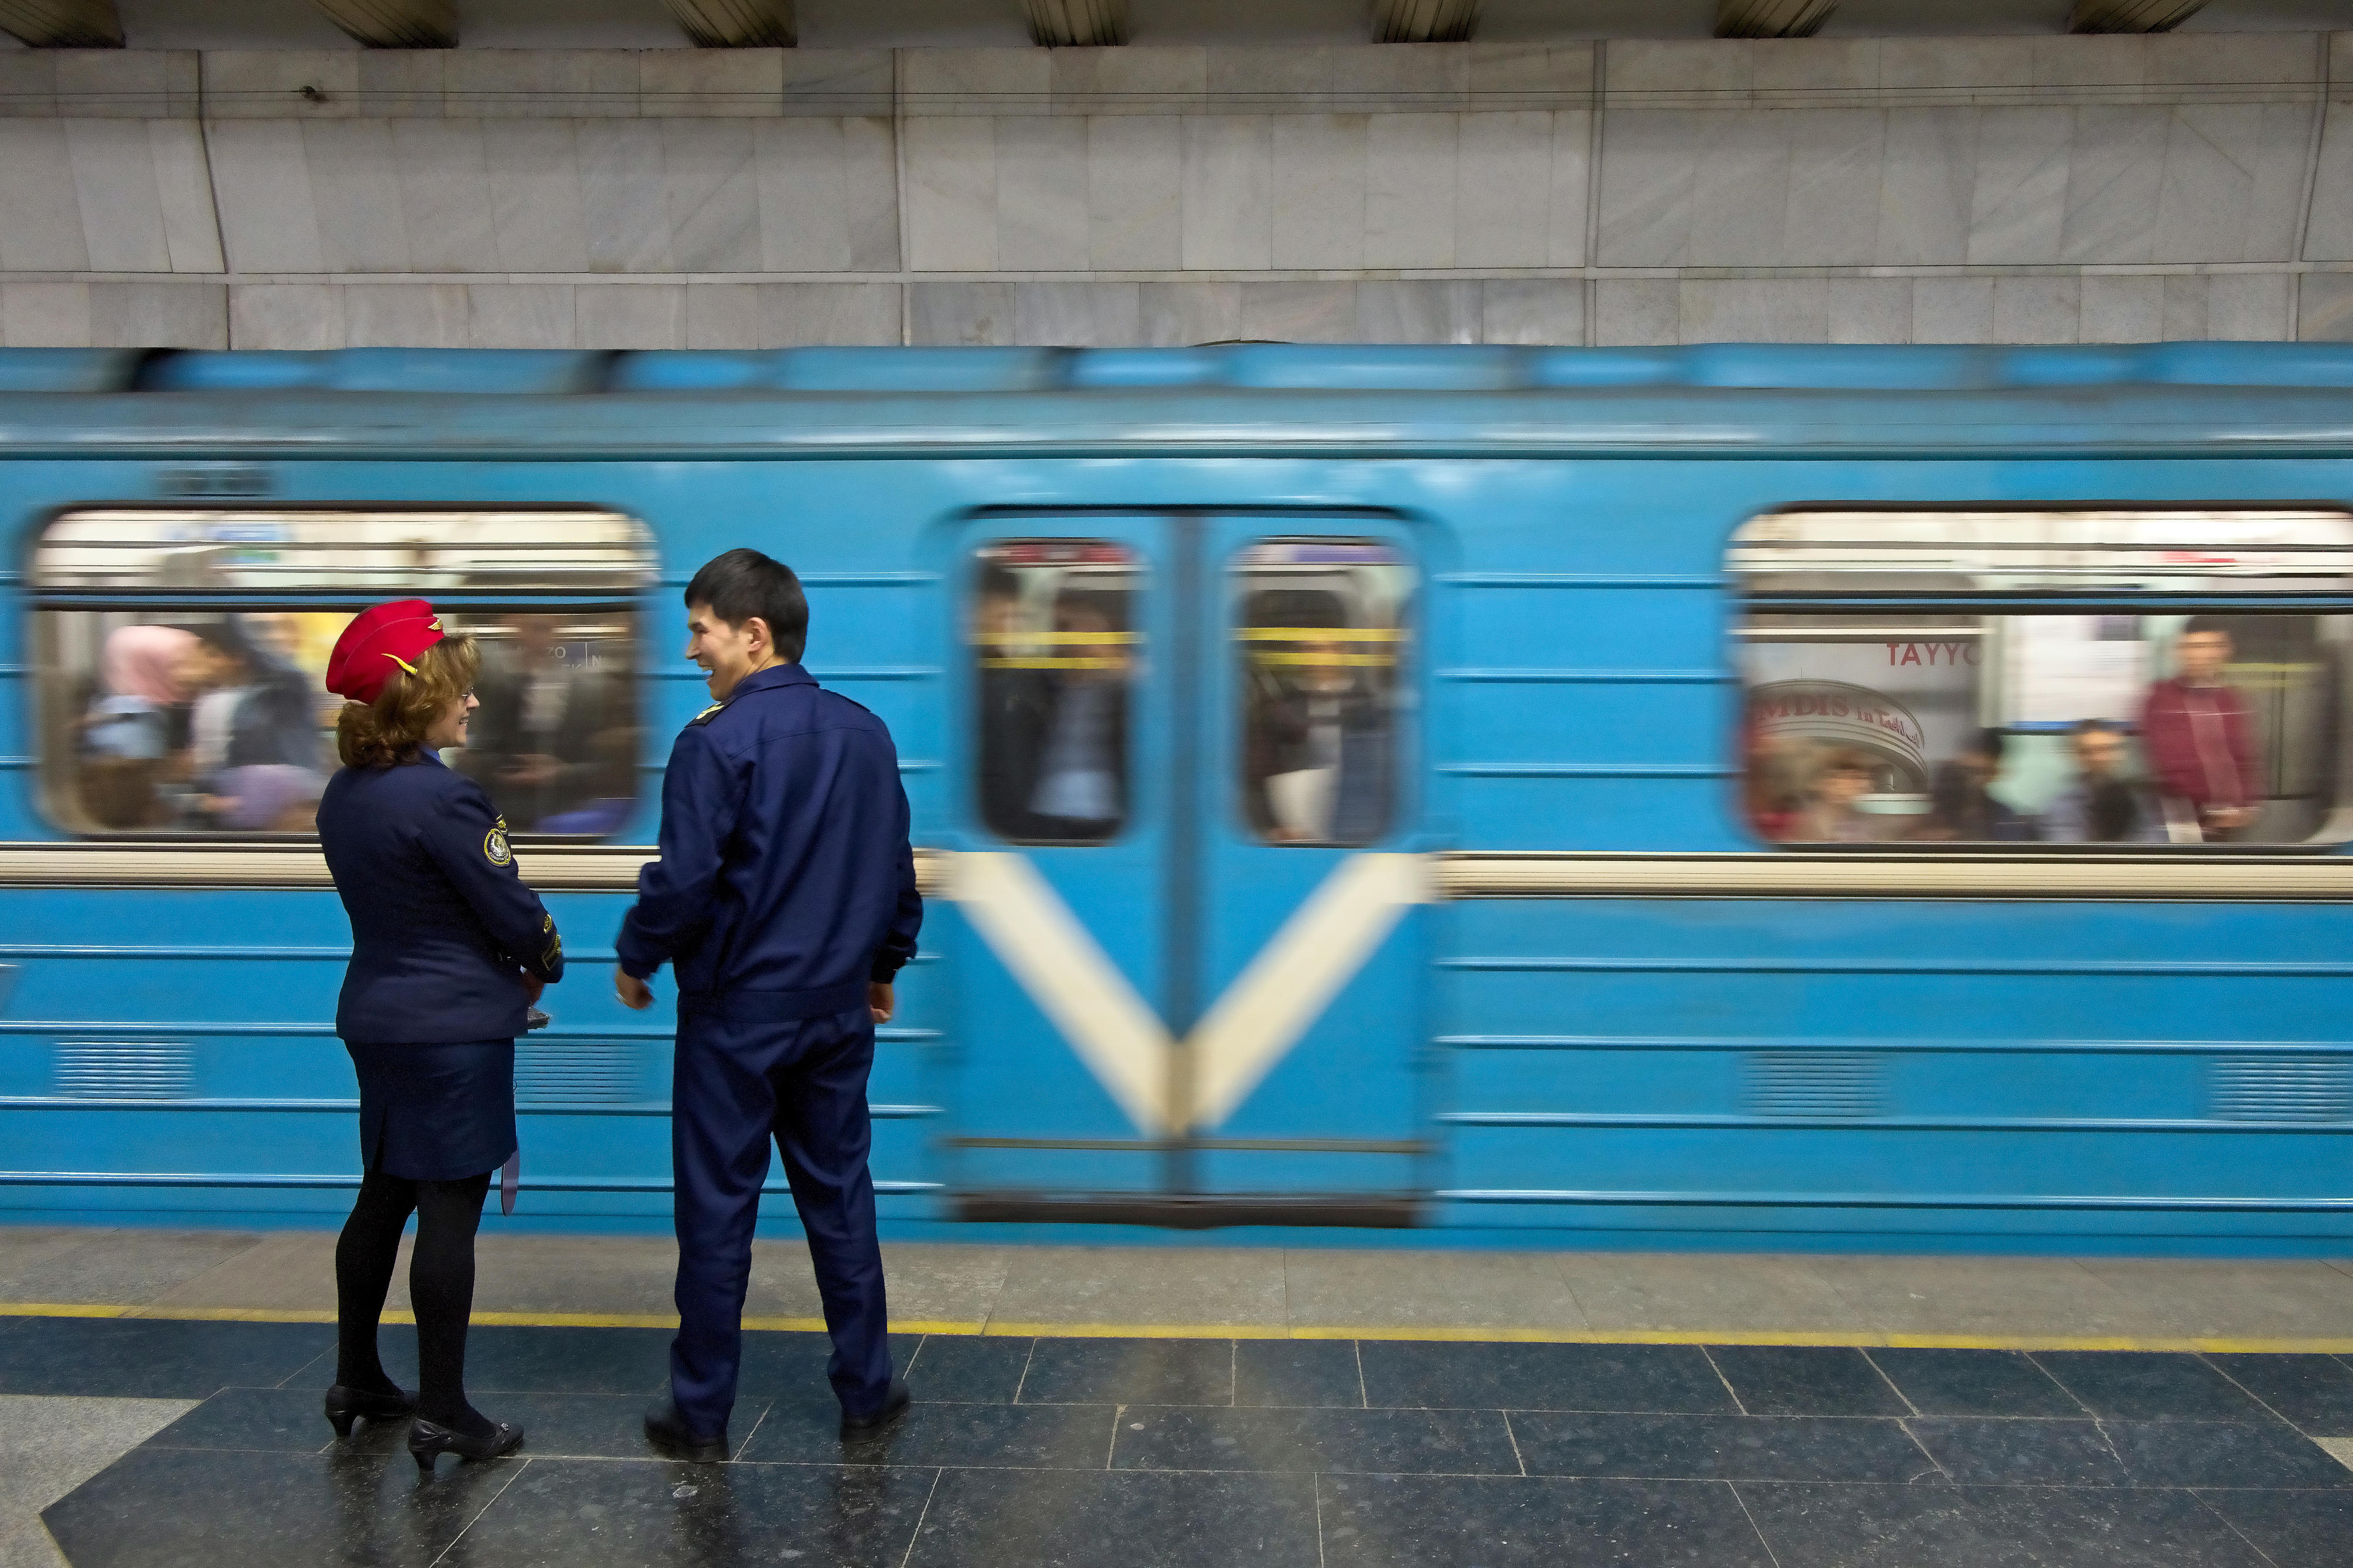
x=127 y=733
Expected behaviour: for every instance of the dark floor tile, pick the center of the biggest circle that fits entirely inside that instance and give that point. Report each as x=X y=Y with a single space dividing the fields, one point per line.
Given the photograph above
x=500 y=1359
x=2223 y=1454
x=597 y=1425
x=151 y=1358
x=1065 y=1437
x=285 y=1419
x=178 y=1508
x=1998 y=1452
x=1135 y=1519
x=1297 y=1371
x=559 y=1513
x=1130 y=1372
x=2316 y=1392
x=1806 y=1379
x=782 y=1365
x=1415 y=1521
x=2295 y=1529
x=1991 y=1527
x=2148 y=1385
x=969 y=1368
x=1719 y=1448
x=1975 y=1383
x=1664 y=1378
x=1403 y=1442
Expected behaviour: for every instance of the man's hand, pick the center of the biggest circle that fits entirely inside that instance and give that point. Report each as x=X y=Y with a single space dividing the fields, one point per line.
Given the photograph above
x=634 y=993
x=882 y=1001
x=532 y=987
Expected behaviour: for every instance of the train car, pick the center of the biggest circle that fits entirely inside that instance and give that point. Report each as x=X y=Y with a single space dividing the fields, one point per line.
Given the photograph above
x=1745 y=796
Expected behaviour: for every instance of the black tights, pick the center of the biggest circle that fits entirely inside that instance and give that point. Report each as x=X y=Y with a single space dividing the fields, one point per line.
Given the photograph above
x=441 y=1287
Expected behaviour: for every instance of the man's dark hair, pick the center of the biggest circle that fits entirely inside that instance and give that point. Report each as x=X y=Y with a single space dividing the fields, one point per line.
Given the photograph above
x=742 y=584
x=1988 y=742
x=225 y=638
x=2097 y=727
x=2197 y=624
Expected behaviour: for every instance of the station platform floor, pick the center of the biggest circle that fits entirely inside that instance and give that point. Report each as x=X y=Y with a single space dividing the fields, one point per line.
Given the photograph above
x=1342 y=1409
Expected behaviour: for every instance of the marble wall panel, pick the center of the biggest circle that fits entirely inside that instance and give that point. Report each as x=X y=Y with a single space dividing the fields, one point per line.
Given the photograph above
x=183 y=190
x=2115 y=168
x=2249 y=307
x=2232 y=182
x=406 y=315
x=960 y=315
x=1079 y=315
x=179 y=314
x=1272 y=78
x=42 y=231
x=1320 y=179
x=1042 y=194
x=538 y=208
x=1753 y=311
x=2019 y=195
x=356 y=195
x=624 y=208
x=281 y=84
x=261 y=181
x=1568 y=202
x=1421 y=311
x=286 y=316
x=791 y=315
x=404 y=84
x=711 y=190
x=1299 y=312
x=636 y=315
x=1505 y=191
x=1833 y=214
x=709 y=83
x=1135 y=204
x=113 y=165
x=1130 y=81
x=1740 y=193
x=832 y=83
x=2324 y=307
x=1650 y=162
x=1229 y=192
x=1926 y=186
x=126 y=84
x=1508 y=75
x=2039 y=308
x=1632 y=311
x=1867 y=309
x=1532 y=310
x=1952 y=310
x=522 y=316
x=28 y=84
x=1410 y=188
x=45 y=315
x=951 y=194
x=446 y=202
x=1178 y=315
x=2329 y=235
x=2131 y=308
x=977 y=82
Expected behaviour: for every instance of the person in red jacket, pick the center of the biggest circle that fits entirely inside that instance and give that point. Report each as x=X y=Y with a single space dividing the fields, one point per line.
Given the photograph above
x=2199 y=736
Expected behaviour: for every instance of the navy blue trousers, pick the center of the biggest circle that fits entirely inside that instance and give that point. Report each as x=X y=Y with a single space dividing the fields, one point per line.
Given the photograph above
x=738 y=1084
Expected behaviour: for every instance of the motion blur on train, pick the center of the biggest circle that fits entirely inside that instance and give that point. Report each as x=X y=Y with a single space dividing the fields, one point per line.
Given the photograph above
x=1723 y=797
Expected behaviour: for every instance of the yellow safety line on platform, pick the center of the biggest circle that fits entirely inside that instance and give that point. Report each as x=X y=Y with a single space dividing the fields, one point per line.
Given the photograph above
x=1860 y=1339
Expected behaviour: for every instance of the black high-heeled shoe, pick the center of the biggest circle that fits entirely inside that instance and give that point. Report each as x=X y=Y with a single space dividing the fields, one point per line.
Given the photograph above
x=345 y=1405
x=427 y=1441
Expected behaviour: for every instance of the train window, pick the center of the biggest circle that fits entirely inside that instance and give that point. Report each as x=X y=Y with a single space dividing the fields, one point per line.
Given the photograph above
x=1321 y=639
x=1051 y=623
x=181 y=653
x=2110 y=676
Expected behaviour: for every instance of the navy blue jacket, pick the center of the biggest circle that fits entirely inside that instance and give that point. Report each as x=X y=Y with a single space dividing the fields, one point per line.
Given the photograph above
x=785 y=881
x=440 y=918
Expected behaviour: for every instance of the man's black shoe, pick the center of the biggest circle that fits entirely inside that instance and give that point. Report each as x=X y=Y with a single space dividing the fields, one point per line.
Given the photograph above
x=667 y=1429
x=894 y=1405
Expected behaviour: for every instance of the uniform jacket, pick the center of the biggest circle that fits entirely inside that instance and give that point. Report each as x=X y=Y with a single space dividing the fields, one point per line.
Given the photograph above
x=785 y=882
x=440 y=918
x=2201 y=742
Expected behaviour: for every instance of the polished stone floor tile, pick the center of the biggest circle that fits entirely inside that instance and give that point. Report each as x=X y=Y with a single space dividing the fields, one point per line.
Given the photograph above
x=1975 y=1383
x=2223 y=1454
x=1991 y=1527
x=50 y=1445
x=121 y=1268
x=285 y=1271
x=1402 y=1442
x=657 y=1514
x=1130 y=1372
x=2316 y=1392
x=1415 y=1521
x=180 y=1508
x=1188 y=1284
x=1297 y=1371
x=557 y=1273
x=1806 y=1379
x=1467 y=1290
x=1696 y=1291
x=1719 y=1448
x=2145 y=1386
x=2307 y=1530
x=501 y=1360
x=286 y=1419
x=1130 y=1519
x=1982 y=1295
x=1979 y=1451
x=788 y=1366
x=943 y=1281
x=597 y=1425
x=151 y=1358
x=1062 y=1437
x=2232 y=1297
x=1660 y=1378
x=968 y=1369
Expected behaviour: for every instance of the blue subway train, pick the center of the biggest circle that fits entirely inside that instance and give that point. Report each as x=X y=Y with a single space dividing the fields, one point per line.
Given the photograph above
x=1741 y=796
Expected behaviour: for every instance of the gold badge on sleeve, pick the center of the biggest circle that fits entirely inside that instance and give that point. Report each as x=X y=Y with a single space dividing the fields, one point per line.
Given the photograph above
x=494 y=846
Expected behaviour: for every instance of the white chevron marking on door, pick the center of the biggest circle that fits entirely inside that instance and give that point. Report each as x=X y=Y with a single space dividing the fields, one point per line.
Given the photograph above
x=1260 y=1016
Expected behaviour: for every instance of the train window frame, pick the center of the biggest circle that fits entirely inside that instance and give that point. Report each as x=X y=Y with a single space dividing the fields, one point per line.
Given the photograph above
x=1973 y=574
x=211 y=564
x=1116 y=558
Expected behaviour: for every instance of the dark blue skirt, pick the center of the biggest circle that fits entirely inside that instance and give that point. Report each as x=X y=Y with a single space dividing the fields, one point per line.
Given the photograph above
x=436 y=1112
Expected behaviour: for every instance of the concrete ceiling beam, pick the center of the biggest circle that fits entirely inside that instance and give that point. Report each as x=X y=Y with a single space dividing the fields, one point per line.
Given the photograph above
x=395 y=24
x=1076 y=24
x=62 y=23
x=1424 y=21
x=1771 y=18
x=2130 y=15
x=737 y=24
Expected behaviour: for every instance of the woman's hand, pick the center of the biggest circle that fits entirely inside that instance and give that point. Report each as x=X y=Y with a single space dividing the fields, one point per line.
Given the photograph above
x=634 y=993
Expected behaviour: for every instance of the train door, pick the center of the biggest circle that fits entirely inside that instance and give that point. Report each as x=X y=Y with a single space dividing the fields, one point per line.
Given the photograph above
x=1186 y=961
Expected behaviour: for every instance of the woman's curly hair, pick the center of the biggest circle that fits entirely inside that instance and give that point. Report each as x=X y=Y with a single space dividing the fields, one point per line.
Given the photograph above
x=391 y=730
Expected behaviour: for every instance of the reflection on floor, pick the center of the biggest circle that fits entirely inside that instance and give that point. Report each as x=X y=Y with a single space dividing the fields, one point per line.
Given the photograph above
x=1348 y=1453
x=50 y=1445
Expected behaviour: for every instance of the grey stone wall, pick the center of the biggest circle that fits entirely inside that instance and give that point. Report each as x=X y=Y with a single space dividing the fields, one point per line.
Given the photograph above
x=1845 y=190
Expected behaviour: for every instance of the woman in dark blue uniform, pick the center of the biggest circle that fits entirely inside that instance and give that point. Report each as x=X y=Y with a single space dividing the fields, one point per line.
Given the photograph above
x=448 y=950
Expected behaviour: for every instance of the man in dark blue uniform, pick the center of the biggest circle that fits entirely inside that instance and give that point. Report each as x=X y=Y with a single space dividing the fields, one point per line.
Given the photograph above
x=785 y=899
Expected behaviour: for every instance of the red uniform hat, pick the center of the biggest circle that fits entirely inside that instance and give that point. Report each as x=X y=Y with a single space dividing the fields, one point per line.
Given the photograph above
x=381 y=642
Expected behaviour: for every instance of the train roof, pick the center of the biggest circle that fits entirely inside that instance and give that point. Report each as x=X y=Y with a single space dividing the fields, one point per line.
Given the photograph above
x=1731 y=398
